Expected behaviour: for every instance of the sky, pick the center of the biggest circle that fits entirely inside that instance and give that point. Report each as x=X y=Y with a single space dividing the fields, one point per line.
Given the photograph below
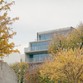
x=43 y=15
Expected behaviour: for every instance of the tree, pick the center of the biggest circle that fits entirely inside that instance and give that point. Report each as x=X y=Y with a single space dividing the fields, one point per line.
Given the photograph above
x=6 y=31
x=32 y=76
x=67 y=67
x=20 y=70
x=75 y=39
x=58 y=43
x=71 y=41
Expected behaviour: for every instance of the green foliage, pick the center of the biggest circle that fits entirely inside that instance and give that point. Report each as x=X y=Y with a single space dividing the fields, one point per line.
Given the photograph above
x=20 y=70
x=45 y=79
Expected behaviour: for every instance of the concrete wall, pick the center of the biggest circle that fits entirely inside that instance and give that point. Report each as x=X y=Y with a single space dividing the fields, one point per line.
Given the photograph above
x=7 y=75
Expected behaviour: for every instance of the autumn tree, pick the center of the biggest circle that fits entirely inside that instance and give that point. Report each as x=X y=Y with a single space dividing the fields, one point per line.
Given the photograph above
x=67 y=64
x=67 y=67
x=71 y=41
x=32 y=76
x=6 y=31
x=20 y=70
x=75 y=39
x=58 y=43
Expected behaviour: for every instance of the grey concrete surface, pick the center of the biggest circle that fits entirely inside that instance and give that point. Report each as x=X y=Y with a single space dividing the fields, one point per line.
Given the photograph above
x=7 y=75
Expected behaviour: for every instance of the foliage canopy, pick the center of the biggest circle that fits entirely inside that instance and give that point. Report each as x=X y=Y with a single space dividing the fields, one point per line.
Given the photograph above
x=6 y=31
x=67 y=67
x=20 y=70
x=71 y=41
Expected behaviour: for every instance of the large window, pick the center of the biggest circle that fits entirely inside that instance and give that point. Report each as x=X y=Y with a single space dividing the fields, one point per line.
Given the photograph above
x=39 y=45
x=45 y=36
x=38 y=58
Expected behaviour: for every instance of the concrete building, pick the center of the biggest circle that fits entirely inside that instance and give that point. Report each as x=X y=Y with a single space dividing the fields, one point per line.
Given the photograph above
x=37 y=52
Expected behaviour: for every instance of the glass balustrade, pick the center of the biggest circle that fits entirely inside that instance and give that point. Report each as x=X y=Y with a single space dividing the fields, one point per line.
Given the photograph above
x=38 y=58
x=39 y=46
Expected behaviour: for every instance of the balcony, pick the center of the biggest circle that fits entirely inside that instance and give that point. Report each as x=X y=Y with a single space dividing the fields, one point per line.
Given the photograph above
x=39 y=58
x=28 y=51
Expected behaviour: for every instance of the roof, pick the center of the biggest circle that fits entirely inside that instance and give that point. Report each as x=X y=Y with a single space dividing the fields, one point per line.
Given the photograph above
x=55 y=31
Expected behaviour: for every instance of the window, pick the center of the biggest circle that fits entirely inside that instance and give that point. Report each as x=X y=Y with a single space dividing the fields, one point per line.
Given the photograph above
x=39 y=45
x=45 y=36
x=38 y=57
x=31 y=56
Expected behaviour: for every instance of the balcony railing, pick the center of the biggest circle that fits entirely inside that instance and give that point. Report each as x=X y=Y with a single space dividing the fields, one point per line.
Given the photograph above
x=26 y=50
x=39 y=59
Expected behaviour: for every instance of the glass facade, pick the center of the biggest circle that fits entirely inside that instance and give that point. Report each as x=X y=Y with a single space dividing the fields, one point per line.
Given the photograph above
x=45 y=36
x=39 y=45
x=38 y=57
x=39 y=49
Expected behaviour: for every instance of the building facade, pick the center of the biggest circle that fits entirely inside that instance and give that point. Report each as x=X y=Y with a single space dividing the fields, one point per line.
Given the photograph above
x=38 y=50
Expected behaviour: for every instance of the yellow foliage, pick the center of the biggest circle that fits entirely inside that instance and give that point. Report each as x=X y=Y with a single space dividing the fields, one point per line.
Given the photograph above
x=71 y=41
x=6 y=32
x=66 y=66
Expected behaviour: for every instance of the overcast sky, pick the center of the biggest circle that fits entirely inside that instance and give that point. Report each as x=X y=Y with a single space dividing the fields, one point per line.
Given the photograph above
x=42 y=15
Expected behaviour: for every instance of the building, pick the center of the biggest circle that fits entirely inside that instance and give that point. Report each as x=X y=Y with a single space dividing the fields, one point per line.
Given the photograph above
x=37 y=52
